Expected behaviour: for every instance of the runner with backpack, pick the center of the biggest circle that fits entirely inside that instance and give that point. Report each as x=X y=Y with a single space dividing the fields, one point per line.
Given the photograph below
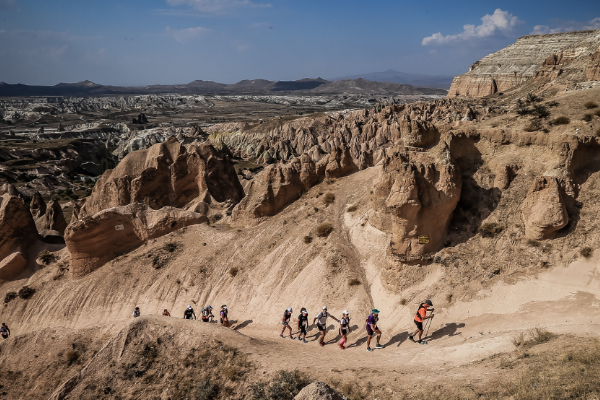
x=224 y=319
x=166 y=313
x=302 y=324
x=189 y=313
x=322 y=324
x=4 y=331
x=372 y=328
x=136 y=312
x=207 y=315
x=344 y=329
x=287 y=315
x=420 y=316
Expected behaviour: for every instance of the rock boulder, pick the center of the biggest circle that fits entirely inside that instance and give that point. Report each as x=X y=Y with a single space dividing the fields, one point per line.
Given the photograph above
x=544 y=211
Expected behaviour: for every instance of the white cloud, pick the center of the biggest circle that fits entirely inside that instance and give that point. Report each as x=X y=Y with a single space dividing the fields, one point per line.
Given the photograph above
x=567 y=26
x=593 y=24
x=544 y=30
x=501 y=23
x=217 y=6
x=56 y=53
x=185 y=35
x=7 y=4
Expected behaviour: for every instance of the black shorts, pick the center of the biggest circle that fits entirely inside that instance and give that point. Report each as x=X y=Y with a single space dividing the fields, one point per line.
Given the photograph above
x=302 y=330
x=419 y=325
x=205 y=320
x=322 y=328
x=344 y=331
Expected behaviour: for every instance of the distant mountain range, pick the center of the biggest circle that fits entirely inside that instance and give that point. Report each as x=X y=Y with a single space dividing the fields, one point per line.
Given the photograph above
x=392 y=76
x=305 y=86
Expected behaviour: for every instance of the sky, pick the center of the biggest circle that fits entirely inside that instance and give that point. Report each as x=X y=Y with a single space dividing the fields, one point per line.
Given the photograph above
x=141 y=42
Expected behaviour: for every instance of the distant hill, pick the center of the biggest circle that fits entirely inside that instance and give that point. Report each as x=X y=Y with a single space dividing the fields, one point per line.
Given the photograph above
x=305 y=86
x=392 y=76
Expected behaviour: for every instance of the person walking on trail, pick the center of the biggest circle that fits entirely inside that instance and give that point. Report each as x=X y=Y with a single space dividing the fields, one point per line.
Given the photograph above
x=302 y=324
x=4 y=331
x=287 y=315
x=344 y=329
x=207 y=315
x=224 y=319
x=136 y=312
x=420 y=316
x=189 y=313
x=322 y=324
x=373 y=329
x=166 y=313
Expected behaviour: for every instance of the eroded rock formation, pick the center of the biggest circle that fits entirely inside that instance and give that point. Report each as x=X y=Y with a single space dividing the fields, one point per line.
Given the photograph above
x=53 y=221
x=95 y=240
x=592 y=69
x=167 y=174
x=544 y=211
x=420 y=193
x=12 y=266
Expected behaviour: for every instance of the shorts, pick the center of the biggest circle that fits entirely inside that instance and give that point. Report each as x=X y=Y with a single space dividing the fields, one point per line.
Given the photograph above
x=4 y=336
x=344 y=331
x=322 y=328
x=419 y=325
x=369 y=330
x=221 y=321
x=302 y=330
x=205 y=320
x=284 y=323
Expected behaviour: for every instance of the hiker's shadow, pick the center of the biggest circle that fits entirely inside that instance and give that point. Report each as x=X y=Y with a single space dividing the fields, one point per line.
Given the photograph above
x=243 y=325
x=398 y=338
x=448 y=330
x=359 y=342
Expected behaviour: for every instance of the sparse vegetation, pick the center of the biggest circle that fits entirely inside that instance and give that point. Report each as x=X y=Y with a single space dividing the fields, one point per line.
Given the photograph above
x=598 y=132
x=587 y=117
x=532 y=337
x=10 y=296
x=45 y=257
x=586 y=252
x=233 y=271
x=324 y=229
x=533 y=126
x=353 y=282
x=561 y=121
x=403 y=302
x=533 y=243
x=351 y=208
x=449 y=297
x=206 y=389
x=308 y=239
x=597 y=113
x=72 y=356
x=285 y=387
x=328 y=198
x=590 y=104
x=490 y=229
x=330 y=181
x=171 y=247
x=26 y=292
x=215 y=218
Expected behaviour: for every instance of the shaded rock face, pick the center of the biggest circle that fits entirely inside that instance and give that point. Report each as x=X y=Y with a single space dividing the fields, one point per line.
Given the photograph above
x=318 y=391
x=17 y=228
x=592 y=69
x=53 y=221
x=338 y=164
x=504 y=176
x=550 y=56
x=544 y=211
x=420 y=195
x=37 y=206
x=277 y=186
x=93 y=241
x=12 y=266
x=166 y=174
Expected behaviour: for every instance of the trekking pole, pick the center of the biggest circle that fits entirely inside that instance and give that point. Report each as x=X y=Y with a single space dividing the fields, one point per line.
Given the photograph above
x=428 y=325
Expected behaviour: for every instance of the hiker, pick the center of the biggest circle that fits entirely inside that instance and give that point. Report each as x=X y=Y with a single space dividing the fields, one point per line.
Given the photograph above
x=287 y=315
x=4 y=331
x=207 y=314
x=224 y=319
x=166 y=313
x=189 y=313
x=344 y=329
x=322 y=324
x=372 y=328
x=419 y=317
x=302 y=324
x=136 y=312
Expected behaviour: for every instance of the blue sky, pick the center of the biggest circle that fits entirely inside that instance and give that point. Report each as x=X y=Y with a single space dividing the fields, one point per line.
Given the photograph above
x=139 y=42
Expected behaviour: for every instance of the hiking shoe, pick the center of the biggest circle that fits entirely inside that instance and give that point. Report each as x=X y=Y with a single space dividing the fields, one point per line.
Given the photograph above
x=411 y=339
x=341 y=346
x=322 y=344
x=380 y=346
x=281 y=336
x=369 y=349
x=291 y=337
x=305 y=341
x=299 y=339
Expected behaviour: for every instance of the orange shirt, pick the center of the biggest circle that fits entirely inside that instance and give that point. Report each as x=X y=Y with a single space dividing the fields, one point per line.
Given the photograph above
x=421 y=314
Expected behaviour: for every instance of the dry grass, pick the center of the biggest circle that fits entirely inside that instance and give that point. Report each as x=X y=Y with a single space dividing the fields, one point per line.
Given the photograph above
x=330 y=181
x=533 y=126
x=561 y=121
x=351 y=208
x=449 y=298
x=533 y=243
x=233 y=271
x=353 y=282
x=403 y=302
x=597 y=113
x=171 y=247
x=215 y=218
x=324 y=229
x=46 y=257
x=308 y=239
x=10 y=296
x=590 y=104
x=490 y=229
x=587 y=117
x=328 y=198
x=586 y=252
x=26 y=292
x=537 y=335
x=72 y=356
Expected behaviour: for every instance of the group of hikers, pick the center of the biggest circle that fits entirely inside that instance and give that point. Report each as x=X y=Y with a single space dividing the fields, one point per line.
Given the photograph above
x=321 y=320
x=206 y=314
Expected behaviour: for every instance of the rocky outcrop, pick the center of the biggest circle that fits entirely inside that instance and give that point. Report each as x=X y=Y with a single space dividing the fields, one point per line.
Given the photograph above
x=53 y=221
x=531 y=57
x=167 y=174
x=420 y=194
x=318 y=391
x=504 y=175
x=338 y=163
x=17 y=228
x=592 y=69
x=544 y=211
x=12 y=266
x=95 y=240
x=37 y=206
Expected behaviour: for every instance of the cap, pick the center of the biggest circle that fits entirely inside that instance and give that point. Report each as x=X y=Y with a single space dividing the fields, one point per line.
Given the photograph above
x=225 y=307
x=304 y=312
x=189 y=307
x=346 y=312
x=376 y=311
x=325 y=308
x=137 y=308
x=428 y=302
x=210 y=307
x=290 y=309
